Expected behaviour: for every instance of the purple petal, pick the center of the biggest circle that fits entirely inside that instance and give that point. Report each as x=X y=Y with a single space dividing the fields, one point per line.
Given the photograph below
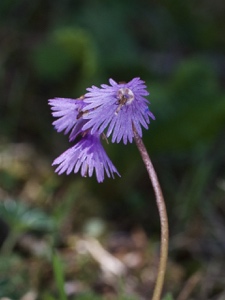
x=67 y=110
x=87 y=155
x=116 y=108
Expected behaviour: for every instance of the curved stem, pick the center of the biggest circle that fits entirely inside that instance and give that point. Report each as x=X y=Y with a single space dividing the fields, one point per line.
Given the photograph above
x=162 y=214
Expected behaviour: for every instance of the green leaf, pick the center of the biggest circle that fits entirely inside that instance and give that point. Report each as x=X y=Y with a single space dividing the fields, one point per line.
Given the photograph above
x=168 y=297
x=59 y=275
x=21 y=218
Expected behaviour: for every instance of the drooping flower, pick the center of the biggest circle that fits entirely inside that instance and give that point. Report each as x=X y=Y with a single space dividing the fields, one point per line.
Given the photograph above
x=117 y=108
x=88 y=155
x=69 y=114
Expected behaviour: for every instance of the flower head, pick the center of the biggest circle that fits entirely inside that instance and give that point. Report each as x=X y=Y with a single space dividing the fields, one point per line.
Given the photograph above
x=88 y=155
x=69 y=114
x=117 y=108
x=120 y=109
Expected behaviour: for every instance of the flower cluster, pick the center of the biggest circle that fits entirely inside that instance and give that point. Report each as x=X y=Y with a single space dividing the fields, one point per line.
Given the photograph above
x=112 y=110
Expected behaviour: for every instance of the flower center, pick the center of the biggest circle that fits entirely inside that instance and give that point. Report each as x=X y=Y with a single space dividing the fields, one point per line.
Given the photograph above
x=124 y=96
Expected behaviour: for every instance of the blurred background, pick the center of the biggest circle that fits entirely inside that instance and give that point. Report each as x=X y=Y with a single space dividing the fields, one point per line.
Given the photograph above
x=67 y=237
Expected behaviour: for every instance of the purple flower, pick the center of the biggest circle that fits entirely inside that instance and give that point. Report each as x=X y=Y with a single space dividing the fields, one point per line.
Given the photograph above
x=69 y=114
x=87 y=155
x=117 y=108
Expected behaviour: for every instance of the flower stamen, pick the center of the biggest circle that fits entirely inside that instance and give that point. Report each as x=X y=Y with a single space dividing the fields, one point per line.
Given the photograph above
x=124 y=96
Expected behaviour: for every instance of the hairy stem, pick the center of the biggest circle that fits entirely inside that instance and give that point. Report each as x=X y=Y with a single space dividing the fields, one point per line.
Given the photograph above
x=162 y=214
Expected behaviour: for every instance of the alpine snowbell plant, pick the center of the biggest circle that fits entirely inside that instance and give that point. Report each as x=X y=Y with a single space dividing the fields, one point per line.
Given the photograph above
x=117 y=111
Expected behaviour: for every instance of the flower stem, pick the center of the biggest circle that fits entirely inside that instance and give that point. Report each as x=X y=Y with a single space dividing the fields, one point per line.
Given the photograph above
x=162 y=214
